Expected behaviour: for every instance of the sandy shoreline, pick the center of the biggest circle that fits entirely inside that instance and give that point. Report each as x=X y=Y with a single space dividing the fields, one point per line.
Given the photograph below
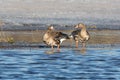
x=97 y=36
x=33 y=39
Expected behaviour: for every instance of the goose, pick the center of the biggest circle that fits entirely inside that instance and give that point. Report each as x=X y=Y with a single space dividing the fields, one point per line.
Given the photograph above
x=80 y=34
x=54 y=38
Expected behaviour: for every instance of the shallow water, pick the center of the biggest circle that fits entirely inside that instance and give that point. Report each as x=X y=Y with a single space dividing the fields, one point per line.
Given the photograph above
x=69 y=64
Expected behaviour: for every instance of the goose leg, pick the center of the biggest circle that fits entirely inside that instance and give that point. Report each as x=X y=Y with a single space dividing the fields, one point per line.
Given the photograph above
x=76 y=42
x=52 y=47
x=58 y=48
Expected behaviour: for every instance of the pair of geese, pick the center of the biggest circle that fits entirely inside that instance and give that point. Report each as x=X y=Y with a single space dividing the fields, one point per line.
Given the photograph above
x=55 y=38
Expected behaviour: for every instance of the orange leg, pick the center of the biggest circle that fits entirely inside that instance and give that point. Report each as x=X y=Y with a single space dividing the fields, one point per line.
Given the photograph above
x=58 y=47
x=52 y=47
x=76 y=42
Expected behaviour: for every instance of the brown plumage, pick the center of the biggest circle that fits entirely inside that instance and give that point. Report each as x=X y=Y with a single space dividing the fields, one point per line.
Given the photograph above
x=54 y=38
x=80 y=34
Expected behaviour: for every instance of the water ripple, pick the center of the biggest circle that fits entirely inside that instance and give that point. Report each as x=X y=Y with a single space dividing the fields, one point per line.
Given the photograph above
x=94 y=64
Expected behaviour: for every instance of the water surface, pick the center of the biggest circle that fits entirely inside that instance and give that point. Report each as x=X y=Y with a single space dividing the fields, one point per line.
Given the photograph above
x=69 y=64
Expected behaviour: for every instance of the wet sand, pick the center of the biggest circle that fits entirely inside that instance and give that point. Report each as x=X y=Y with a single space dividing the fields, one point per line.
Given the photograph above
x=34 y=38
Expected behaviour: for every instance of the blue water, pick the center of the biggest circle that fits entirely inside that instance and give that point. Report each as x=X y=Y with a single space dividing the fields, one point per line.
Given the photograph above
x=69 y=64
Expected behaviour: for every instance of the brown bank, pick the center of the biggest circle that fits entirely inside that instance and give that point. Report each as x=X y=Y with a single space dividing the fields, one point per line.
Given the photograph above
x=97 y=37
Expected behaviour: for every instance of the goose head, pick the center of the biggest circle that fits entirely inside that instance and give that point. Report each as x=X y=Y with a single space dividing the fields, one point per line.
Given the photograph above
x=80 y=25
x=50 y=28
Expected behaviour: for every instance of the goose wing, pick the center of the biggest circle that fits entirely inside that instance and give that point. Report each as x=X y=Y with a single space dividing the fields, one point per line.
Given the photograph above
x=75 y=34
x=60 y=37
x=88 y=35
